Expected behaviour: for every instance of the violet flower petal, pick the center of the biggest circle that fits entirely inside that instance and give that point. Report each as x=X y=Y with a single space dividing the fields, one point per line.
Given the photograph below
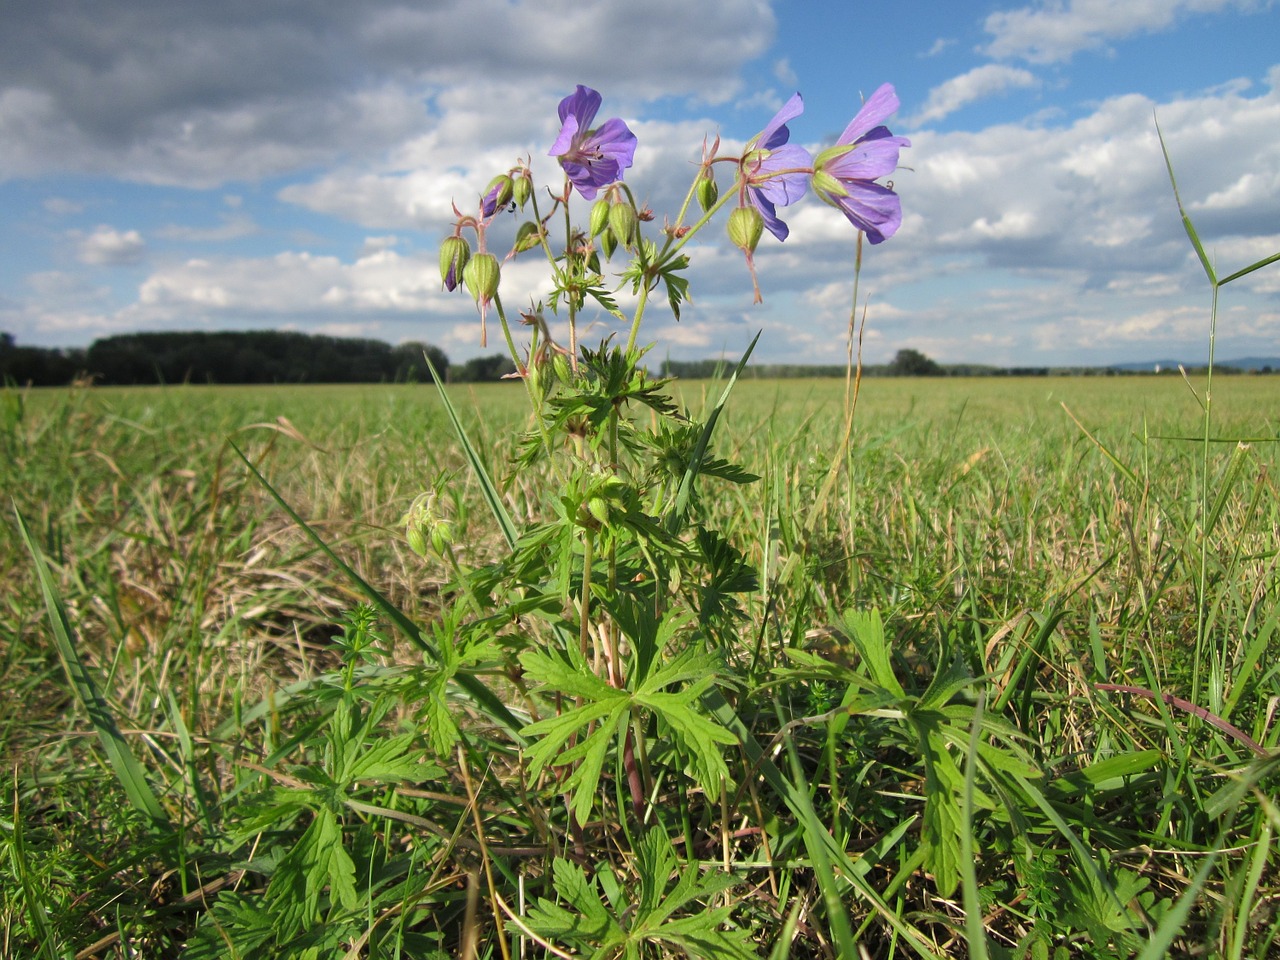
x=770 y=215
x=879 y=107
x=775 y=132
x=873 y=208
x=783 y=188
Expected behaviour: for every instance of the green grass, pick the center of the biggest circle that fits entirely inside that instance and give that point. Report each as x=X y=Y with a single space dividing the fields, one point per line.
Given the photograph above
x=1003 y=546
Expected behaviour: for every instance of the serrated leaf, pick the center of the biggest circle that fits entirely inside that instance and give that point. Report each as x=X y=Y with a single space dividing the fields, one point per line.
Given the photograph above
x=573 y=679
x=318 y=860
x=696 y=734
x=550 y=735
x=866 y=631
x=945 y=685
x=943 y=820
x=589 y=921
x=442 y=729
x=677 y=286
x=392 y=759
x=648 y=908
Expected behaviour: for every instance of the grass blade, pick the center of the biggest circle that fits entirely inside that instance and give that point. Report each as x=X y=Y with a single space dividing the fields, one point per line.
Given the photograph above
x=1158 y=946
x=487 y=489
x=1187 y=225
x=125 y=765
x=685 y=492
x=1249 y=269
x=815 y=833
x=837 y=916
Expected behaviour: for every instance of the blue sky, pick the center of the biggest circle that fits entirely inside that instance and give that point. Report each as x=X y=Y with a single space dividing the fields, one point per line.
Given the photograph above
x=173 y=166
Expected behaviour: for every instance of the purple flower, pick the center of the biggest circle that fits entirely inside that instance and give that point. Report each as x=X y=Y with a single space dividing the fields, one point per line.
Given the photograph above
x=497 y=196
x=843 y=175
x=591 y=158
x=776 y=173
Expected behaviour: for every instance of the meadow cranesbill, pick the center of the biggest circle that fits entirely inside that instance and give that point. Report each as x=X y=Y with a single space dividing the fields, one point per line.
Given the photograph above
x=591 y=158
x=844 y=175
x=775 y=173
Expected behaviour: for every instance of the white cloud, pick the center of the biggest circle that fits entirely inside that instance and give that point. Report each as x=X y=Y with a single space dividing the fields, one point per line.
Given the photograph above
x=106 y=246
x=1052 y=31
x=62 y=207
x=979 y=83
x=1250 y=188
x=219 y=94
x=232 y=228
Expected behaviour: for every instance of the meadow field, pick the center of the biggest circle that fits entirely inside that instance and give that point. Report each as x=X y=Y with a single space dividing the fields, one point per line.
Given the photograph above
x=996 y=677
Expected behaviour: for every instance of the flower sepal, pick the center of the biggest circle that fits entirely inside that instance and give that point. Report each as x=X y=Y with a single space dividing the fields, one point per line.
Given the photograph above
x=454 y=254
x=826 y=186
x=745 y=228
x=481 y=275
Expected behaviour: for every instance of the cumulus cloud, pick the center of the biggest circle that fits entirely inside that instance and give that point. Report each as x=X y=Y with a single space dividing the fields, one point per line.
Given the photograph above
x=231 y=228
x=107 y=246
x=1003 y=227
x=979 y=83
x=202 y=94
x=1052 y=31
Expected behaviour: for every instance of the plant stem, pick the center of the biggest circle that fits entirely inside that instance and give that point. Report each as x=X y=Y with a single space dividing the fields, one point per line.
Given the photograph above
x=1203 y=577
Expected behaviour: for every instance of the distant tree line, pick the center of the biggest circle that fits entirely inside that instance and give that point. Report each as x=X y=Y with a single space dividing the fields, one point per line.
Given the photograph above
x=256 y=356
x=273 y=356
x=913 y=363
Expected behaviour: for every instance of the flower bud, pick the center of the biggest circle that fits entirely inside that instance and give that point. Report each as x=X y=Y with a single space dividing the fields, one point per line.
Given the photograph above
x=454 y=254
x=426 y=529
x=608 y=244
x=521 y=188
x=498 y=194
x=707 y=191
x=622 y=223
x=598 y=507
x=481 y=275
x=745 y=227
x=527 y=237
x=599 y=216
x=560 y=364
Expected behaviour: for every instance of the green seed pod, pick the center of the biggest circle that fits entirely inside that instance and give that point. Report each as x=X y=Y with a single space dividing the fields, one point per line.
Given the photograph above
x=442 y=536
x=745 y=228
x=425 y=529
x=481 y=275
x=599 y=216
x=454 y=254
x=707 y=191
x=417 y=542
x=521 y=188
x=622 y=223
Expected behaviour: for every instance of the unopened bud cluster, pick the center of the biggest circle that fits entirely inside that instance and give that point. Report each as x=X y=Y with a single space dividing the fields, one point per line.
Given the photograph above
x=615 y=222
x=426 y=529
